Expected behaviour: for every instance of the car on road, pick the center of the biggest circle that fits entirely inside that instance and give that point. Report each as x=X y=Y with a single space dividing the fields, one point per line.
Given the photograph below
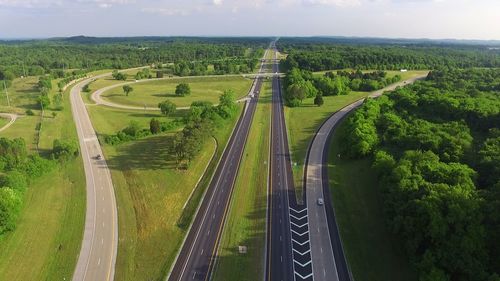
x=320 y=201
x=98 y=157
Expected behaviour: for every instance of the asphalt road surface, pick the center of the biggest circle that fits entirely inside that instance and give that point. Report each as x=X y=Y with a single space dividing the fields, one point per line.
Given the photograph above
x=12 y=118
x=97 y=256
x=197 y=256
x=326 y=246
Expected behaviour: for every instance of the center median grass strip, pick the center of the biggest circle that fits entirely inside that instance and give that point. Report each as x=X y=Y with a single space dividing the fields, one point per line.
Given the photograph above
x=303 y=122
x=246 y=221
x=372 y=251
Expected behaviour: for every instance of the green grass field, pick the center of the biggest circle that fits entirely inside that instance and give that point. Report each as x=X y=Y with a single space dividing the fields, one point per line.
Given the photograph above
x=246 y=221
x=203 y=88
x=373 y=253
x=3 y=122
x=150 y=193
x=302 y=122
x=46 y=242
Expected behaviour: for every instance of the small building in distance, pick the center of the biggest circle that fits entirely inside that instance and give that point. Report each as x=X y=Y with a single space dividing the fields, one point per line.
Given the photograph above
x=404 y=70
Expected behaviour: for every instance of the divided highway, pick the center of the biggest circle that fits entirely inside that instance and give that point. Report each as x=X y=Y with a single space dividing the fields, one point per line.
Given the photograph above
x=326 y=246
x=288 y=251
x=198 y=254
x=97 y=256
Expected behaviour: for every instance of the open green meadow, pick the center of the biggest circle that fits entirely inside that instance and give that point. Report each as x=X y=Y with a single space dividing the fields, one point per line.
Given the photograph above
x=372 y=251
x=203 y=88
x=246 y=221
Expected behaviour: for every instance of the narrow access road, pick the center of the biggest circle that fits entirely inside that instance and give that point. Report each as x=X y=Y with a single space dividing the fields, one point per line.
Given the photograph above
x=97 y=95
x=12 y=118
x=97 y=257
x=198 y=254
x=326 y=245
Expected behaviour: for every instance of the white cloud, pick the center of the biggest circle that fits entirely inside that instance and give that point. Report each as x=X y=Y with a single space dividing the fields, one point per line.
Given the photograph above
x=30 y=3
x=340 y=3
x=217 y=2
x=166 y=11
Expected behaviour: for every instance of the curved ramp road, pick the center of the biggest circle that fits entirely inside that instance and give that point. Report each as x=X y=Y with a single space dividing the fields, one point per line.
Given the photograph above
x=326 y=246
x=11 y=116
x=100 y=238
x=97 y=98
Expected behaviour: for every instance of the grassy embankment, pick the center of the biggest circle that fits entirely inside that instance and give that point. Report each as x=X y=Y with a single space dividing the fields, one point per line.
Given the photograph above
x=202 y=88
x=372 y=251
x=151 y=191
x=303 y=121
x=46 y=241
x=246 y=221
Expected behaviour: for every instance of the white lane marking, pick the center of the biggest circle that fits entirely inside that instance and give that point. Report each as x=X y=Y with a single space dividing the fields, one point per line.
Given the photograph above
x=102 y=241
x=99 y=261
x=307 y=251
x=310 y=261
x=303 y=277
x=202 y=250
x=299 y=226
x=301 y=244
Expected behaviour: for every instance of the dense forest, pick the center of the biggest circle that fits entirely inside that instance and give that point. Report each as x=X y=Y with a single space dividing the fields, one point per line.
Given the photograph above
x=436 y=148
x=191 y=56
x=312 y=56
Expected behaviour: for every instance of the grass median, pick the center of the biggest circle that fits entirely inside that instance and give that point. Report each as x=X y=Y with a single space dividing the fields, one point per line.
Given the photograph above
x=246 y=221
x=372 y=251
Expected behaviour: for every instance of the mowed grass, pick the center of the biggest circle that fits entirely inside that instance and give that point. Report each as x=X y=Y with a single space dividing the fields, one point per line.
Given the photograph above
x=3 y=121
x=107 y=120
x=202 y=88
x=151 y=193
x=303 y=122
x=372 y=251
x=46 y=241
x=246 y=221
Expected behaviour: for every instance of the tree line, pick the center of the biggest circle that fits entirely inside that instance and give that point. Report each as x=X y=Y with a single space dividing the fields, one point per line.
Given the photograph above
x=301 y=84
x=328 y=56
x=18 y=170
x=436 y=148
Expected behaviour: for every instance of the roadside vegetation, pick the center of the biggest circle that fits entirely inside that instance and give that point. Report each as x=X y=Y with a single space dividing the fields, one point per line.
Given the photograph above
x=44 y=182
x=246 y=221
x=372 y=251
x=434 y=147
x=160 y=165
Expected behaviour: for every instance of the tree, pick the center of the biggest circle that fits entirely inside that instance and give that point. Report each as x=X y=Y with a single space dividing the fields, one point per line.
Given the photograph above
x=154 y=126
x=64 y=149
x=57 y=101
x=119 y=76
x=127 y=89
x=318 y=100
x=167 y=107
x=10 y=203
x=183 y=89
x=44 y=101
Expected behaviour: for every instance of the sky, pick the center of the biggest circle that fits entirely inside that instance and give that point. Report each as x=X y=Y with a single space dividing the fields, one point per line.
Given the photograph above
x=434 y=19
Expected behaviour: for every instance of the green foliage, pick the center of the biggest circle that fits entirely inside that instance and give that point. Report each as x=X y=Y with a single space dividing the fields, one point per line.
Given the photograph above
x=119 y=75
x=167 y=107
x=439 y=197
x=183 y=89
x=10 y=205
x=318 y=100
x=154 y=126
x=30 y=112
x=327 y=54
x=143 y=74
x=64 y=149
x=127 y=89
x=227 y=104
x=57 y=101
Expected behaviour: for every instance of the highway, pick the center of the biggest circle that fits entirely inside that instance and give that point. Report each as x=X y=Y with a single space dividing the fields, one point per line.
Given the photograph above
x=198 y=254
x=288 y=251
x=97 y=257
x=326 y=245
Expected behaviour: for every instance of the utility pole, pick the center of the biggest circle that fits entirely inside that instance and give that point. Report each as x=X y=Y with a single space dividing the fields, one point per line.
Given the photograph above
x=24 y=71
x=6 y=93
